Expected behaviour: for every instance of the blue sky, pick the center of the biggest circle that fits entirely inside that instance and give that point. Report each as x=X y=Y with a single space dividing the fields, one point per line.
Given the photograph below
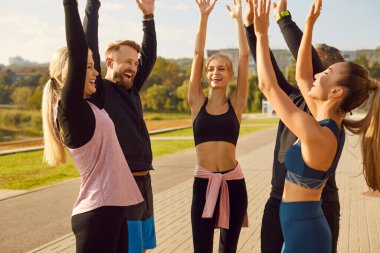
x=34 y=29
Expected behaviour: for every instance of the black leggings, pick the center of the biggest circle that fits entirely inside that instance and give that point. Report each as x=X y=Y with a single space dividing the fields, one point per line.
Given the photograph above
x=271 y=233
x=101 y=230
x=203 y=229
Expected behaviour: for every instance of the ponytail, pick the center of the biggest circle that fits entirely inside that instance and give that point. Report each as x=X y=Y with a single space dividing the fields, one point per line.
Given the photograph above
x=369 y=129
x=54 y=152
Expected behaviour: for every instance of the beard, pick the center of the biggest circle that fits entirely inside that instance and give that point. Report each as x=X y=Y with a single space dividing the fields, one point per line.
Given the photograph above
x=118 y=79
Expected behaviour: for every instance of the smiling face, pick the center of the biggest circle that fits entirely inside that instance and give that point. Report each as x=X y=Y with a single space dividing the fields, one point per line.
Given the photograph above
x=218 y=72
x=124 y=64
x=91 y=75
x=326 y=85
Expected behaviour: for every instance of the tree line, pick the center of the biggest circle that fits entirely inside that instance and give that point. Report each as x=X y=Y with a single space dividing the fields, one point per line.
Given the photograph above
x=164 y=91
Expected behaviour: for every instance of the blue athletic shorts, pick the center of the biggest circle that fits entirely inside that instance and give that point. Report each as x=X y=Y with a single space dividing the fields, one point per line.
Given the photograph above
x=140 y=219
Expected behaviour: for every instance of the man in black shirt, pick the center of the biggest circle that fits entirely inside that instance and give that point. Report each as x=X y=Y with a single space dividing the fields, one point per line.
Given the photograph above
x=128 y=66
x=271 y=234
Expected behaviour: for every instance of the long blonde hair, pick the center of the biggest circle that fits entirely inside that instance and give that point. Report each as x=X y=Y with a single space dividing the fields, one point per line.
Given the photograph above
x=361 y=88
x=54 y=152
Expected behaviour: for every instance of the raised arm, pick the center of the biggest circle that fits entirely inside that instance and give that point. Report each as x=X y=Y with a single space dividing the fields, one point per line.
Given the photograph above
x=250 y=33
x=299 y=122
x=72 y=93
x=304 y=67
x=90 y=27
x=76 y=117
x=239 y=96
x=293 y=34
x=148 y=54
x=195 y=95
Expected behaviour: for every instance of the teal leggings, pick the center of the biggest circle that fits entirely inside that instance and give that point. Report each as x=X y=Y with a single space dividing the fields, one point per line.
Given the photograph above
x=305 y=228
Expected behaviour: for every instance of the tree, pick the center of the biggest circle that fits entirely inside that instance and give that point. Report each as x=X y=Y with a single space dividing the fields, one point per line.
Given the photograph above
x=181 y=93
x=291 y=75
x=362 y=61
x=21 y=95
x=155 y=97
x=35 y=99
x=167 y=73
x=5 y=93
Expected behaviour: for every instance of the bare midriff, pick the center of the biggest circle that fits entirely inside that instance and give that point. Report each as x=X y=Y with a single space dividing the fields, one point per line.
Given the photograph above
x=295 y=193
x=216 y=156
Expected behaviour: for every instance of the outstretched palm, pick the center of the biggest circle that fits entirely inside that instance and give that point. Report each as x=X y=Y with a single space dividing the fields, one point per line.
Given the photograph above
x=261 y=16
x=146 y=6
x=235 y=12
x=314 y=12
x=205 y=6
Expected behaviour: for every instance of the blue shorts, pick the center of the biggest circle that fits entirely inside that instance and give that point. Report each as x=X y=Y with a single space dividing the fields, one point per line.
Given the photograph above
x=140 y=219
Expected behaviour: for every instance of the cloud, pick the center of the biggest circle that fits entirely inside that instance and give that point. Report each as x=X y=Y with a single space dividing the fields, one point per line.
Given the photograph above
x=173 y=7
x=28 y=35
x=112 y=7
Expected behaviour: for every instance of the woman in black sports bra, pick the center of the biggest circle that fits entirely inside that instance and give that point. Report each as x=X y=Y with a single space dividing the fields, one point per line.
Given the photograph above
x=329 y=95
x=216 y=123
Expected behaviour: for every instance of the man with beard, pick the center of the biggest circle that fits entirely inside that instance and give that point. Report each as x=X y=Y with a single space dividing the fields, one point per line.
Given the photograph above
x=119 y=92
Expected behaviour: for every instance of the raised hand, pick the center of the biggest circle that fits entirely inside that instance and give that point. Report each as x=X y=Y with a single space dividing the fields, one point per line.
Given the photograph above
x=146 y=6
x=261 y=17
x=248 y=14
x=277 y=8
x=205 y=6
x=235 y=12
x=314 y=12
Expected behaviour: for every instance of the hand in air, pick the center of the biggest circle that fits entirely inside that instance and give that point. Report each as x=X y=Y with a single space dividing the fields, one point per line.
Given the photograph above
x=205 y=6
x=146 y=6
x=236 y=10
x=315 y=11
x=261 y=17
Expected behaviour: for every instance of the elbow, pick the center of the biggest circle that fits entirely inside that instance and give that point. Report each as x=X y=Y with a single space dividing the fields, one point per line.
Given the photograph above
x=262 y=85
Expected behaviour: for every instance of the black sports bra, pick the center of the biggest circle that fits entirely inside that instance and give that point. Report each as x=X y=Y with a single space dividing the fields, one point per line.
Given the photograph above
x=222 y=127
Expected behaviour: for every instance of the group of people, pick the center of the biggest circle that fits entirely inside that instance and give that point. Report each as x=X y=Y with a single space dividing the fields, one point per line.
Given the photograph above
x=99 y=121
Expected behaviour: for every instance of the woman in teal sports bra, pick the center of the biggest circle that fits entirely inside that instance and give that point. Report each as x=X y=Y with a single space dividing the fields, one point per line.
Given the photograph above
x=330 y=95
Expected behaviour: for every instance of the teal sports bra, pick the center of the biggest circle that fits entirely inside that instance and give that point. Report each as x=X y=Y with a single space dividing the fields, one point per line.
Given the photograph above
x=301 y=174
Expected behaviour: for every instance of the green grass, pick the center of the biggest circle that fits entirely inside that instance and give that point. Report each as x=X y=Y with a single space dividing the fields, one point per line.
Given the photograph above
x=165 y=116
x=24 y=171
x=167 y=147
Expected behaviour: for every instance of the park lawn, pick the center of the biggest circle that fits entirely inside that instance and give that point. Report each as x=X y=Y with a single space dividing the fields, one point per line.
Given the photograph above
x=25 y=171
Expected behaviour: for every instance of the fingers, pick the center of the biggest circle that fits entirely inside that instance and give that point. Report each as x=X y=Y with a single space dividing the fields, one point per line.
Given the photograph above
x=318 y=6
x=229 y=9
x=268 y=7
x=213 y=3
x=255 y=7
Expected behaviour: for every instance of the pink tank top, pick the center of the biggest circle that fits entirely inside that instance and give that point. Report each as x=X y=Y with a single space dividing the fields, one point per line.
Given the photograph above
x=106 y=179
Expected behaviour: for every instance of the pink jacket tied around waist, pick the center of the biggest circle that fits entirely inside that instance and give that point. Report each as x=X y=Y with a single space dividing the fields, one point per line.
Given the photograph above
x=218 y=181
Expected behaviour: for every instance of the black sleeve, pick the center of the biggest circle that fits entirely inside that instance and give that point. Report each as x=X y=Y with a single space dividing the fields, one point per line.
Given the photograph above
x=74 y=114
x=90 y=27
x=148 y=54
x=282 y=82
x=293 y=36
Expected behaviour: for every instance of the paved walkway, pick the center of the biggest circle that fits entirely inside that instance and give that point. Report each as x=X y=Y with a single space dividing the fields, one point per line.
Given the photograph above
x=360 y=220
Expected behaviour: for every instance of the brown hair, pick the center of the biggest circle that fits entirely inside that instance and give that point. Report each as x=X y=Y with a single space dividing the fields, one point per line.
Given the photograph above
x=329 y=55
x=114 y=46
x=360 y=89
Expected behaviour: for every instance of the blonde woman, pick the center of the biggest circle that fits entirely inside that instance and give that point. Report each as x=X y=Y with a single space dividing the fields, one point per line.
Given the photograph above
x=219 y=192
x=330 y=95
x=87 y=132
